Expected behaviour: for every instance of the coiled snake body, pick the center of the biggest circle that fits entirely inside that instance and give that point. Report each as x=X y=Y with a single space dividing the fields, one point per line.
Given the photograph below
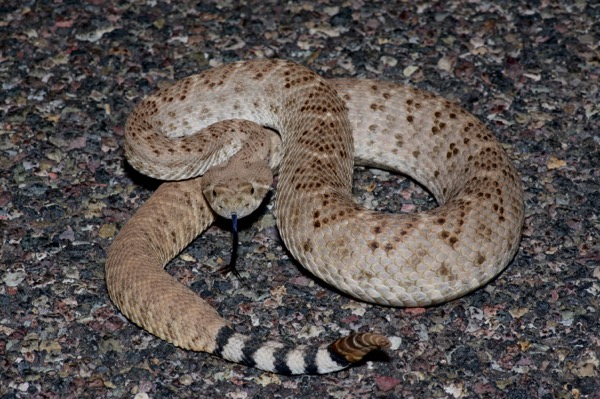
x=325 y=126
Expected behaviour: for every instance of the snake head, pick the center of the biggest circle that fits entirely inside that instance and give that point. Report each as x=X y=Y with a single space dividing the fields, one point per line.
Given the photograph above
x=241 y=199
x=237 y=187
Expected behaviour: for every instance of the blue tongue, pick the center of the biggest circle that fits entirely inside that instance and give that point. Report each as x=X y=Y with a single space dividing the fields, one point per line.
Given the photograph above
x=234 y=247
x=230 y=268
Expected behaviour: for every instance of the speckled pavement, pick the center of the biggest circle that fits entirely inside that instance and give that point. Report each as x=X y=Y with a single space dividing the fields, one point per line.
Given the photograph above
x=70 y=74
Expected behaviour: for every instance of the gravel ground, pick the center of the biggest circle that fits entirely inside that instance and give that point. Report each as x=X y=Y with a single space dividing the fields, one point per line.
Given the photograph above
x=71 y=73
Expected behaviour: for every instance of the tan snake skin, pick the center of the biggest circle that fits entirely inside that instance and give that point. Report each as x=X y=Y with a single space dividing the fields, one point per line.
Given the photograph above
x=398 y=260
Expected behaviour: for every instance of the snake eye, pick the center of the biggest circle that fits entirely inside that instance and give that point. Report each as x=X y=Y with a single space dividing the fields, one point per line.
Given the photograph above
x=214 y=193
x=252 y=191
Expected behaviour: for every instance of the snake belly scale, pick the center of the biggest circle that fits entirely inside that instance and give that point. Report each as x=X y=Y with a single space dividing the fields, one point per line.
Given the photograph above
x=326 y=126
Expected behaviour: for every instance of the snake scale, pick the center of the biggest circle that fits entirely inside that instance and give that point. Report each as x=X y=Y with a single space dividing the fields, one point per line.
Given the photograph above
x=326 y=126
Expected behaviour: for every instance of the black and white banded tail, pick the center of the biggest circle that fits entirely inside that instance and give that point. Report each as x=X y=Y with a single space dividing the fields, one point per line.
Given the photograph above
x=303 y=359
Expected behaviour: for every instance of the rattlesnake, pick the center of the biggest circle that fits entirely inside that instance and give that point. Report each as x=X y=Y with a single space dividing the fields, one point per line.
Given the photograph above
x=396 y=260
